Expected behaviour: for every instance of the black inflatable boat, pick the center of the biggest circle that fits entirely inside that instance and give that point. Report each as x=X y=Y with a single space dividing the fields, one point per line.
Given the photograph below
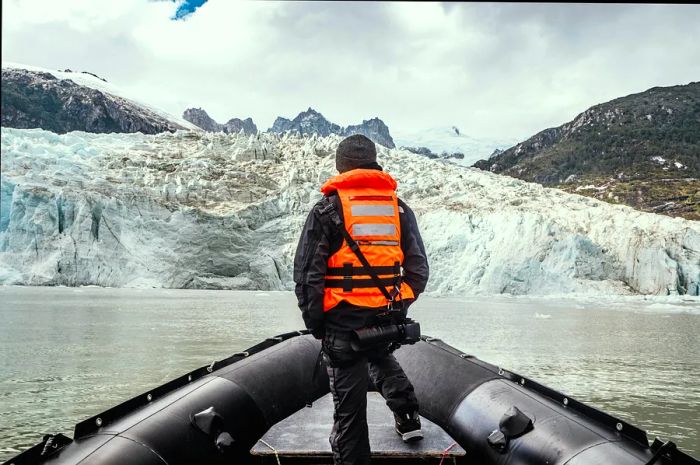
x=218 y=413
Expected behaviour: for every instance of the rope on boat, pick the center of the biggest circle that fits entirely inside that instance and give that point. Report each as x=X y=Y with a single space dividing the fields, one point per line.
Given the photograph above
x=277 y=457
x=444 y=452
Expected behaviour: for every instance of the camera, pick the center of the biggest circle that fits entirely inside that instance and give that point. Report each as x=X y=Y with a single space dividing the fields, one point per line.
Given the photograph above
x=405 y=332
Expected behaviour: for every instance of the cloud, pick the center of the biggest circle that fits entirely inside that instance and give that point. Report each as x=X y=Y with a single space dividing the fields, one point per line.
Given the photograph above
x=494 y=70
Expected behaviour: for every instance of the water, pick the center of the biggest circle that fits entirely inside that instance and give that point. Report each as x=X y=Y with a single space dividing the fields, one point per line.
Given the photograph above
x=68 y=353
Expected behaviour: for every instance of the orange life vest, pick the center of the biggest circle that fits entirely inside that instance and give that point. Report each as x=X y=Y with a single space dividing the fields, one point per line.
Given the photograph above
x=371 y=218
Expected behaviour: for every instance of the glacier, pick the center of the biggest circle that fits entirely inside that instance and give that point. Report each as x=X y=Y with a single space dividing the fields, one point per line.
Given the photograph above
x=223 y=211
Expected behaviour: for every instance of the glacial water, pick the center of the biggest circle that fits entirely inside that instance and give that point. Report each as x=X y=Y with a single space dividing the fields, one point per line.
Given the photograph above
x=68 y=353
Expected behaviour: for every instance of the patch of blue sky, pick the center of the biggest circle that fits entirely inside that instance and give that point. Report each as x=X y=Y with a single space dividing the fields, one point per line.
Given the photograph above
x=187 y=7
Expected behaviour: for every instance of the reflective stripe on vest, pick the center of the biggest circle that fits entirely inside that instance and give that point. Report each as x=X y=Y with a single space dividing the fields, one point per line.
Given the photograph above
x=370 y=229
x=372 y=210
x=371 y=217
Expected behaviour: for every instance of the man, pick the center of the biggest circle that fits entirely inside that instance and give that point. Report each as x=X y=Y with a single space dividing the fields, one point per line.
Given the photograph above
x=337 y=294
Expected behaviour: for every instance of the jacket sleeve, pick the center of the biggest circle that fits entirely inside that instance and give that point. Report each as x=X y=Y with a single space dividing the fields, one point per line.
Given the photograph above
x=310 y=263
x=415 y=261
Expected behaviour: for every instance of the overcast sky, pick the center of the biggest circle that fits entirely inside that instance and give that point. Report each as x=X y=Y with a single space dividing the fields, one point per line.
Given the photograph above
x=493 y=70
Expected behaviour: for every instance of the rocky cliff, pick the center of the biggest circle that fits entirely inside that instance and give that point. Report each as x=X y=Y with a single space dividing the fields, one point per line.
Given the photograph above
x=37 y=99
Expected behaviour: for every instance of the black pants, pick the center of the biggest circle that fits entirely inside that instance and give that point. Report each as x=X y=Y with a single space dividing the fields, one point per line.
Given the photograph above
x=349 y=377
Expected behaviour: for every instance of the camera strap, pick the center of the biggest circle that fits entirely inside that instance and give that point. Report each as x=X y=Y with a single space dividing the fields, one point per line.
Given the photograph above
x=331 y=211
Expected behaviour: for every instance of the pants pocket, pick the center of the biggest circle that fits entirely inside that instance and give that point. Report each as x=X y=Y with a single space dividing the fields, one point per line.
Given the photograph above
x=338 y=353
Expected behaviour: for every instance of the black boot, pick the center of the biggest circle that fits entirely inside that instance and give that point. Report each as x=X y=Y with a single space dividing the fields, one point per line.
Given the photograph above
x=408 y=426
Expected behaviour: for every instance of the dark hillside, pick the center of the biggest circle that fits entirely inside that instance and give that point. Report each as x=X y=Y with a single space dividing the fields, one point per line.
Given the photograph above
x=642 y=150
x=32 y=99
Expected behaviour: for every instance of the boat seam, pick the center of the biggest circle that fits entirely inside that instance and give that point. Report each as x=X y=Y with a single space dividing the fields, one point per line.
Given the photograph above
x=144 y=445
x=111 y=439
x=584 y=450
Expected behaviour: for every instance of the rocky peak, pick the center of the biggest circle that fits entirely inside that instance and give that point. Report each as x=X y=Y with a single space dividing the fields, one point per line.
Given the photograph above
x=313 y=122
x=199 y=117
x=375 y=129
x=236 y=125
x=280 y=125
x=306 y=122
x=311 y=114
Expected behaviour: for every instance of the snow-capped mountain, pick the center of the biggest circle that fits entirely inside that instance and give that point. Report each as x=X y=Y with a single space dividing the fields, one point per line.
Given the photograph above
x=312 y=122
x=450 y=140
x=214 y=210
x=64 y=101
x=306 y=122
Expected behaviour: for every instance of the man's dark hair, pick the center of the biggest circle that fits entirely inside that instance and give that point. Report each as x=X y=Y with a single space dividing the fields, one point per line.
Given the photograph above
x=354 y=152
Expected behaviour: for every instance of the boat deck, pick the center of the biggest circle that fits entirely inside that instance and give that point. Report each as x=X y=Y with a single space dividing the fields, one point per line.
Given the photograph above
x=304 y=435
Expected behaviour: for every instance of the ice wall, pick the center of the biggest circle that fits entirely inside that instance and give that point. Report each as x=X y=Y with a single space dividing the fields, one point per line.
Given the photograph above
x=224 y=211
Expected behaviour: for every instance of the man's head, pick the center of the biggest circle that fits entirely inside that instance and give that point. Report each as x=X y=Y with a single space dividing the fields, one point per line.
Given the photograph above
x=354 y=152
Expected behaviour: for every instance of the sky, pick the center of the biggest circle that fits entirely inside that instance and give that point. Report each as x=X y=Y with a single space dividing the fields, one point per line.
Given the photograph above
x=493 y=70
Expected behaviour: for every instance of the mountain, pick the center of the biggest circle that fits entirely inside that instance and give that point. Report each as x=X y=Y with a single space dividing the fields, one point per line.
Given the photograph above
x=236 y=125
x=65 y=101
x=200 y=118
x=425 y=151
x=641 y=150
x=306 y=122
x=374 y=129
x=313 y=122
x=451 y=140
x=211 y=210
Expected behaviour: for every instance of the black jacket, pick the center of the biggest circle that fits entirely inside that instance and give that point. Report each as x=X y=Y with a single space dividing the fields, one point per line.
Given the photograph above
x=319 y=240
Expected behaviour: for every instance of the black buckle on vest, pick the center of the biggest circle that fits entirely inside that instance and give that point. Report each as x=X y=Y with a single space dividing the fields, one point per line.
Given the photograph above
x=328 y=207
x=347 y=277
x=394 y=303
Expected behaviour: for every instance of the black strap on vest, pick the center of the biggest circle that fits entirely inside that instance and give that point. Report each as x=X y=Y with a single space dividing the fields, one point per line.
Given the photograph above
x=360 y=270
x=360 y=283
x=330 y=210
